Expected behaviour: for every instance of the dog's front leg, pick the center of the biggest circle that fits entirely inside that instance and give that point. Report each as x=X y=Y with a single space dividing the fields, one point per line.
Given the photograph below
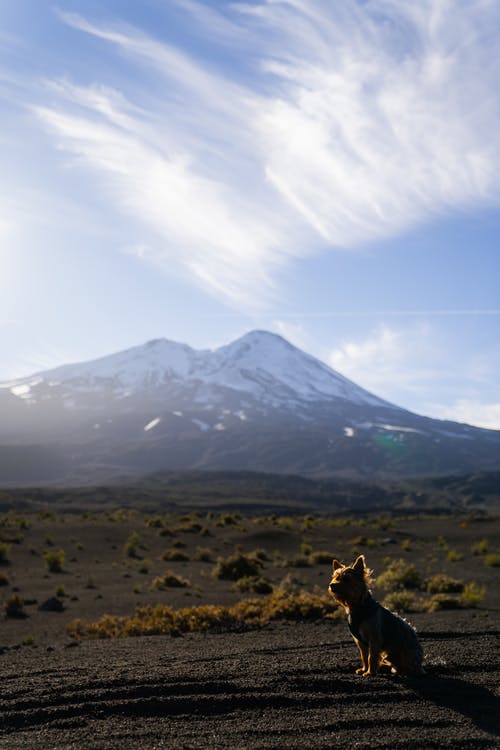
x=363 y=652
x=373 y=662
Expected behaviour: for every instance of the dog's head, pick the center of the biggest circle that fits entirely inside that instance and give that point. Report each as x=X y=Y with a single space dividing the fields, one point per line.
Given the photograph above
x=349 y=583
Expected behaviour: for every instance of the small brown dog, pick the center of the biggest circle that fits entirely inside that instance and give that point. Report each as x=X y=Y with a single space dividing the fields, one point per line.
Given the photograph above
x=383 y=638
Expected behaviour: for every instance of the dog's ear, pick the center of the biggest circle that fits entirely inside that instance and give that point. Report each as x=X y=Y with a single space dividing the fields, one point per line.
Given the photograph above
x=336 y=564
x=360 y=565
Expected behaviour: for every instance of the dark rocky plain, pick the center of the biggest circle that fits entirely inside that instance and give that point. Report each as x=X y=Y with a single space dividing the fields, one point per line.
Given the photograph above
x=285 y=685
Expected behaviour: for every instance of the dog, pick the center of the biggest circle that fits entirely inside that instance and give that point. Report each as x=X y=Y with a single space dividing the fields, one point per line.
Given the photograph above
x=383 y=638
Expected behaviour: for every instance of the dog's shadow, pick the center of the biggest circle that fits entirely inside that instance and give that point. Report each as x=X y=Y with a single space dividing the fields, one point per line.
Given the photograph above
x=474 y=702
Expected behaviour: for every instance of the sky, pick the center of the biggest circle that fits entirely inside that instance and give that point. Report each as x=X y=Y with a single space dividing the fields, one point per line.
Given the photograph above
x=195 y=169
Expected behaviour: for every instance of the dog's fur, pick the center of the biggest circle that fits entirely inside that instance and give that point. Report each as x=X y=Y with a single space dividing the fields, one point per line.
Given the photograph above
x=383 y=638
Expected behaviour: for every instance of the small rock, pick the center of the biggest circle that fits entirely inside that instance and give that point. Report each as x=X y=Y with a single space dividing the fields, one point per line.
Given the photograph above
x=53 y=604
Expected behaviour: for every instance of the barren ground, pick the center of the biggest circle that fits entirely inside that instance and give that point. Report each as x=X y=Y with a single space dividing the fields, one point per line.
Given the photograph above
x=286 y=685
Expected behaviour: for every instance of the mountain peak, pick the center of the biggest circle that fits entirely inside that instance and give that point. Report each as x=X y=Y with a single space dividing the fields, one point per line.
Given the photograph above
x=258 y=402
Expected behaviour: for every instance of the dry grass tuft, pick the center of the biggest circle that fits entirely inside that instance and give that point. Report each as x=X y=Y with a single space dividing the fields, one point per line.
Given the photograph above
x=249 y=613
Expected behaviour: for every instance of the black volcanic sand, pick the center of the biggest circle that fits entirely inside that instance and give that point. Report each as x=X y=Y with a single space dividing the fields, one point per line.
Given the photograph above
x=283 y=687
x=287 y=685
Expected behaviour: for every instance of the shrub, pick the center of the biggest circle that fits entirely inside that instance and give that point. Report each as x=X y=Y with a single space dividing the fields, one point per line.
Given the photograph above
x=131 y=545
x=203 y=554
x=492 y=559
x=14 y=607
x=61 y=592
x=400 y=575
x=300 y=561
x=168 y=580
x=400 y=601
x=306 y=548
x=444 y=584
x=472 y=595
x=453 y=556
x=228 y=519
x=363 y=541
x=441 y=601
x=260 y=554
x=49 y=540
x=156 y=522
x=145 y=566
x=291 y=584
x=174 y=555
x=258 y=585
x=54 y=560
x=480 y=548
x=236 y=566
x=4 y=581
x=249 y=613
x=166 y=532
x=321 y=557
x=4 y=553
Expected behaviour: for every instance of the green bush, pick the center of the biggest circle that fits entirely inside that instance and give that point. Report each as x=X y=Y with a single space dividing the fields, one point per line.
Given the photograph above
x=480 y=548
x=442 y=601
x=130 y=548
x=236 y=566
x=54 y=560
x=174 y=555
x=4 y=553
x=363 y=541
x=257 y=585
x=472 y=595
x=300 y=561
x=145 y=566
x=168 y=580
x=492 y=559
x=400 y=601
x=400 y=575
x=203 y=554
x=444 y=584
x=321 y=557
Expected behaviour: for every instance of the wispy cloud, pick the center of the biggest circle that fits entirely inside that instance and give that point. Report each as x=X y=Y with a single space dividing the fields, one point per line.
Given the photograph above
x=471 y=411
x=363 y=119
x=388 y=361
x=418 y=364
x=389 y=115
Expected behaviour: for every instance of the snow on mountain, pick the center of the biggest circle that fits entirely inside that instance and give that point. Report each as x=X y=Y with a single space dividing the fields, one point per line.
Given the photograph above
x=261 y=364
x=257 y=404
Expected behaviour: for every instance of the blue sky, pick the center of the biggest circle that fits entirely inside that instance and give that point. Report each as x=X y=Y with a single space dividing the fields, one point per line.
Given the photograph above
x=194 y=170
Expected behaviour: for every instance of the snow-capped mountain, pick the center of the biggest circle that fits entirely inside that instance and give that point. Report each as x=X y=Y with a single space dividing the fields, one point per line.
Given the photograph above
x=258 y=403
x=260 y=364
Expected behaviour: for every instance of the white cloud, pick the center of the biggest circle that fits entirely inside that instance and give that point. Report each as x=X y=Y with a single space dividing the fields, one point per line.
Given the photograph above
x=419 y=368
x=402 y=365
x=362 y=120
x=375 y=362
x=389 y=114
x=471 y=411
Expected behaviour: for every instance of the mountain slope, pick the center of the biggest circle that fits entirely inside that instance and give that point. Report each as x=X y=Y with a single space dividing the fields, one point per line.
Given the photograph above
x=258 y=403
